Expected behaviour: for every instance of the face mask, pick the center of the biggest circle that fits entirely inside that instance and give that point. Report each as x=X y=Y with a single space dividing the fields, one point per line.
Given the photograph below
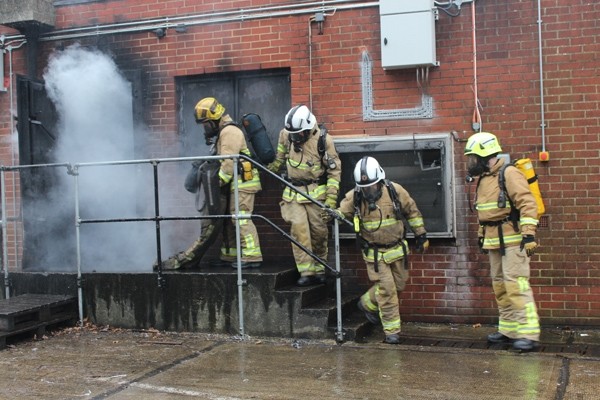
x=211 y=129
x=371 y=195
x=476 y=166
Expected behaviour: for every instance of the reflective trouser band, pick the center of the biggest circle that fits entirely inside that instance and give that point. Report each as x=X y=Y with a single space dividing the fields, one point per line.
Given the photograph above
x=508 y=326
x=250 y=250
x=305 y=267
x=366 y=301
x=495 y=242
x=532 y=326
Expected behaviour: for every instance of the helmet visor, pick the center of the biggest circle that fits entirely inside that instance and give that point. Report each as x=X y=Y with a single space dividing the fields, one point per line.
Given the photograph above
x=371 y=193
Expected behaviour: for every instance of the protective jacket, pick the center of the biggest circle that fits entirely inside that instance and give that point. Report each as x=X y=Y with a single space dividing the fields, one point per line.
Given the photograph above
x=385 y=251
x=231 y=140
x=383 y=229
x=494 y=220
x=305 y=169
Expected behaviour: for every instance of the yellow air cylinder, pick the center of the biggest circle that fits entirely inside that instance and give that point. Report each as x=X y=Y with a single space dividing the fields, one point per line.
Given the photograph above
x=524 y=165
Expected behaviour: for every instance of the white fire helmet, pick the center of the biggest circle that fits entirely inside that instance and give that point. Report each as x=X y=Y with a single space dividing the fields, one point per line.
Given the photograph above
x=299 y=119
x=368 y=172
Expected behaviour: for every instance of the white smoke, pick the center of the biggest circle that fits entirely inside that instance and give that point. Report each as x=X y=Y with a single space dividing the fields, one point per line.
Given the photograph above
x=94 y=105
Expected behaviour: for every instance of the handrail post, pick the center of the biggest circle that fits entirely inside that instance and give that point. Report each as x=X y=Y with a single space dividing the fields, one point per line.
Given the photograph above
x=74 y=170
x=4 y=238
x=238 y=244
x=338 y=281
x=159 y=273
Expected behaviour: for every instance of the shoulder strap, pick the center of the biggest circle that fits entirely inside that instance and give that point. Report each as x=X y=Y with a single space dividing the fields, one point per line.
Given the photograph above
x=503 y=197
x=395 y=199
x=322 y=145
x=230 y=123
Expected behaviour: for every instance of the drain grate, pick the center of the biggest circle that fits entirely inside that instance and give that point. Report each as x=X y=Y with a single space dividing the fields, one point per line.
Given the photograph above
x=588 y=350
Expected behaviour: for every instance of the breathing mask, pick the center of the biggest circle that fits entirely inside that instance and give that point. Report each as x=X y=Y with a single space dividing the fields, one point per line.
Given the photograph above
x=211 y=130
x=371 y=194
x=476 y=165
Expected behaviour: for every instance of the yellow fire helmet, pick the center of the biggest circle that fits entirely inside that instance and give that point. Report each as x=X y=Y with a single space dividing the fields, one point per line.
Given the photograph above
x=208 y=108
x=483 y=144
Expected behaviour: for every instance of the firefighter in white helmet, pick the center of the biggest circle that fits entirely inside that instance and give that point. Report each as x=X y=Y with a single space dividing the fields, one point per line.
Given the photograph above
x=379 y=208
x=313 y=166
x=507 y=233
x=228 y=138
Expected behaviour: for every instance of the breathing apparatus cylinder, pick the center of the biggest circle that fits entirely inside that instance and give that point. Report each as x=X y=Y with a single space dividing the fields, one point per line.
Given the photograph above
x=524 y=165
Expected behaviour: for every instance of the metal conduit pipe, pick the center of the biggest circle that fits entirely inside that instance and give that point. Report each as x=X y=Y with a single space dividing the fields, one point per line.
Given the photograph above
x=541 y=62
x=204 y=19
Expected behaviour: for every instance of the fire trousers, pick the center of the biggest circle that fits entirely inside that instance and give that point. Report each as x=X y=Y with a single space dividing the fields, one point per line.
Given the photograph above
x=310 y=231
x=510 y=279
x=250 y=244
x=382 y=297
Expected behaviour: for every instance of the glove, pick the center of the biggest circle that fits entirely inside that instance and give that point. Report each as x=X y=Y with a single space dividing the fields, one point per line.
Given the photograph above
x=480 y=244
x=422 y=243
x=328 y=213
x=274 y=166
x=528 y=243
x=331 y=201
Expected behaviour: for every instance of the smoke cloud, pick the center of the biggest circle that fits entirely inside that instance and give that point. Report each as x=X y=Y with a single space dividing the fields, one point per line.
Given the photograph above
x=94 y=105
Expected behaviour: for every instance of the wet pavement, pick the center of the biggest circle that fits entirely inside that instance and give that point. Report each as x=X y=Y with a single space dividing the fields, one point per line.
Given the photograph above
x=103 y=363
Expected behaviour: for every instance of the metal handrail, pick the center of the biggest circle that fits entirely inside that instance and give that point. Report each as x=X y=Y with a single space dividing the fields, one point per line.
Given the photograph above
x=73 y=169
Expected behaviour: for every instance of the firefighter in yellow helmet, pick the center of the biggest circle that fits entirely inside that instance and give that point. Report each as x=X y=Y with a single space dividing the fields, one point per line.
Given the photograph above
x=227 y=138
x=379 y=208
x=507 y=233
x=312 y=164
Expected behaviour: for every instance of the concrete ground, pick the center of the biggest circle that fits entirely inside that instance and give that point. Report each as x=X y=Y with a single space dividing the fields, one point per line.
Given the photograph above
x=101 y=363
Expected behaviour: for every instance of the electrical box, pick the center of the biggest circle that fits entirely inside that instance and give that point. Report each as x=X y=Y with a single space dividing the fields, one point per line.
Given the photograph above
x=407 y=33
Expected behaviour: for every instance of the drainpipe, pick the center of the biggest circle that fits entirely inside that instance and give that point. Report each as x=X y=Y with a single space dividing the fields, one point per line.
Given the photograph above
x=541 y=62
x=476 y=121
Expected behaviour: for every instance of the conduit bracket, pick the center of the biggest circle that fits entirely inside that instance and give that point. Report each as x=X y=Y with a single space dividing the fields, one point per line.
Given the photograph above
x=423 y=111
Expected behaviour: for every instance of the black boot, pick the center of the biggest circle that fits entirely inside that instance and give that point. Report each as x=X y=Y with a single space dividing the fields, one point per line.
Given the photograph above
x=394 y=338
x=525 y=344
x=498 y=337
x=372 y=317
x=305 y=281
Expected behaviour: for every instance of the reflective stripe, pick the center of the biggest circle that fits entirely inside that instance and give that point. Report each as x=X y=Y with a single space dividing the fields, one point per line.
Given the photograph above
x=333 y=182
x=317 y=192
x=304 y=267
x=523 y=283
x=229 y=252
x=391 y=326
x=495 y=242
x=416 y=222
x=251 y=249
x=528 y=221
x=225 y=177
x=304 y=166
x=366 y=300
x=389 y=256
x=490 y=206
x=532 y=327
x=282 y=148
x=508 y=326
x=372 y=225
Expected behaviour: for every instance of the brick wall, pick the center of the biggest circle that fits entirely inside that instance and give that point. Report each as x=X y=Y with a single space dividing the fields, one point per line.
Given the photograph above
x=451 y=282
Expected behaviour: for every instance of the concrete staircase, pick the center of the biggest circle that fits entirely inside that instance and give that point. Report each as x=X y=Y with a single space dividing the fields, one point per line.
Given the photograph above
x=206 y=300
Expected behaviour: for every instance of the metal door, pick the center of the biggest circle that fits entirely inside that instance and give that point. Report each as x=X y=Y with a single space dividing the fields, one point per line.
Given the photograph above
x=267 y=94
x=38 y=136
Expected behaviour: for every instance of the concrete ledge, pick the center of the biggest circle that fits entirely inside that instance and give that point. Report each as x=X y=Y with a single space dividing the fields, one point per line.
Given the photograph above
x=204 y=301
x=28 y=15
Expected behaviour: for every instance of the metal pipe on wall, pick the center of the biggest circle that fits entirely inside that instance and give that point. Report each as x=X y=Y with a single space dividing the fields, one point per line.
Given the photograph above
x=541 y=62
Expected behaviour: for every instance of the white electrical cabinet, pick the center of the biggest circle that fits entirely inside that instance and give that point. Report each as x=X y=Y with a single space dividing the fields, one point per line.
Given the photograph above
x=407 y=33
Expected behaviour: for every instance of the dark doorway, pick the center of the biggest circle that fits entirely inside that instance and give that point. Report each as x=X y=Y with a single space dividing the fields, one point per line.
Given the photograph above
x=266 y=93
x=48 y=192
x=38 y=136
